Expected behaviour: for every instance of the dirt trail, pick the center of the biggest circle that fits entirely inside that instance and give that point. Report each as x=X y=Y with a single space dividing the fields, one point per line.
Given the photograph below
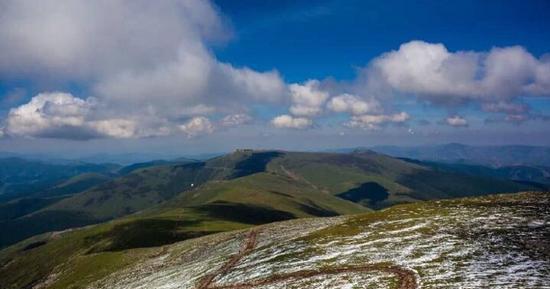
x=248 y=245
x=406 y=277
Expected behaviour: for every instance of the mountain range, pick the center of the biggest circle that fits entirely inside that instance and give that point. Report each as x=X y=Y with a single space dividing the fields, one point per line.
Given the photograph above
x=493 y=156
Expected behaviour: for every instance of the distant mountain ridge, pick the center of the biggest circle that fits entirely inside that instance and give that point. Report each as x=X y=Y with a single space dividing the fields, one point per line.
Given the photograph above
x=22 y=177
x=494 y=156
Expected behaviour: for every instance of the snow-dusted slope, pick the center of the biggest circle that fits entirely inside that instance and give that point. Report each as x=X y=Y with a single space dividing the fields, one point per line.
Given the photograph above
x=490 y=242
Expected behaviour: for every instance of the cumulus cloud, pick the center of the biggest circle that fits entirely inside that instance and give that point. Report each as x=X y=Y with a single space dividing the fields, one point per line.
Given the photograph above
x=496 y=79
x=50 y=114
x=61 y=115
x=456 y=121
x=368 y=121
x=427 y=69
x=197 y=126
x=307 y=99
x=352 y=104
x=235 y=119
x=288 y=121
x=146 y=63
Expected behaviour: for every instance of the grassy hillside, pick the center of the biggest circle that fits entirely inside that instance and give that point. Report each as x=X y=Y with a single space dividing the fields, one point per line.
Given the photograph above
x=76 y=184
x=20 y=218
x=139 y=166
x=35 y=201
x=21 y=207
x=379 y=181
x=299 y=184
x=537 y=176
x=440 y=244
x=23 y=178
x=334 y=174
x=216 y=207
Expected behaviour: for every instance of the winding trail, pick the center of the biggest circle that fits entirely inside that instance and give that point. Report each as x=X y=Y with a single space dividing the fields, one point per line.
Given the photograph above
x=406 y=278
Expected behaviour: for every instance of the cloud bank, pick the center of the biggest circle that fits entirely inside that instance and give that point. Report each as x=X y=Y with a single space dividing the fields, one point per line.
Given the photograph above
x=147 y=69
x=145 y=63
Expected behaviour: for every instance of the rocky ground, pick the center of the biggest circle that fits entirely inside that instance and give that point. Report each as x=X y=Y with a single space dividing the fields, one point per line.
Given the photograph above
x=490 y=242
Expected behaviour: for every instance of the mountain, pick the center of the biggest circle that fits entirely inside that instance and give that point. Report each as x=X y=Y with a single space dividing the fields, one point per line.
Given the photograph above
x=22 y=177
x=537 y=176
x=498 y=241
x=280 y=185
x=137 y=166
x=127 y=158
x=13 y=209
x=494 y=156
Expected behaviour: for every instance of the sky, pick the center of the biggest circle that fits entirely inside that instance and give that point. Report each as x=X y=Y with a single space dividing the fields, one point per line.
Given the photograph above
x=189 y=77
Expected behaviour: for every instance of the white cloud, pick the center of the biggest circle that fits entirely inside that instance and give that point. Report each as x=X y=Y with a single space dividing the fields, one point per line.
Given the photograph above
x=369 y=121
x=147 y=64
x=265 y=86
x=235 y=119
x=432 y=73
x=79 y=38
x=118 y=128
x=48 y=114
x=541 y=83
x=456 y=121
x=195 y=80
x=197 y=126
x=288 y=121
x=61 y=115
x=425 y=68
x=307 y=99
x=352 y=104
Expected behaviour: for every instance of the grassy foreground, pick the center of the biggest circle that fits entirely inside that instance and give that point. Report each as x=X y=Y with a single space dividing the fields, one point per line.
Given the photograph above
x=422 y=236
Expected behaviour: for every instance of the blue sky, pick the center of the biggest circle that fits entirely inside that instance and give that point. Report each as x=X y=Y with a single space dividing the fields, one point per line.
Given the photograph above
x=199 y=76
x=317 y=39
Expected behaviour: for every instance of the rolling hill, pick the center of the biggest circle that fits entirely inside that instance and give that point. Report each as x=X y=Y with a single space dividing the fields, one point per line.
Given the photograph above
x=35 y=201
x=23 y=178
x=482 y=242
x=286 y=184
x=537 y=176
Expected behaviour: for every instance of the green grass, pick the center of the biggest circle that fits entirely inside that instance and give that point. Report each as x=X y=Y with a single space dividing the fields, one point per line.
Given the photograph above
x=405 y=181
x=83 y=256
x=302 y=184
x=77 y=184
x=157 y=206
x=216 y=207
x=268 y=190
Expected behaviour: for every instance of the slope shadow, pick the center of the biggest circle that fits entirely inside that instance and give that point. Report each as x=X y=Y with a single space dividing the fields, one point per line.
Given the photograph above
x=255 y=163
x=370 y=192
x=143 y=233
x=243 y=213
